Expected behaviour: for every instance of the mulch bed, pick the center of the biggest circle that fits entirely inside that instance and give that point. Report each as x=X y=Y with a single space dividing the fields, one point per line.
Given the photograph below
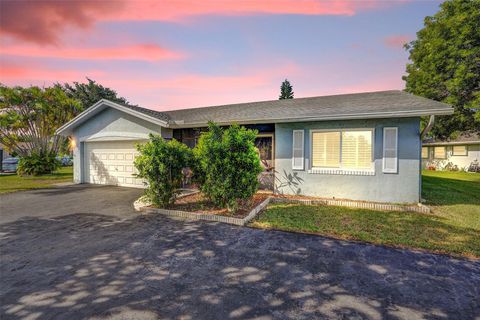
x=197 y=203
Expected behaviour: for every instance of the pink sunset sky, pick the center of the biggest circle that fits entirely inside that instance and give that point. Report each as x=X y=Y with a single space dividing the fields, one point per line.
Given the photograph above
x=178 y=54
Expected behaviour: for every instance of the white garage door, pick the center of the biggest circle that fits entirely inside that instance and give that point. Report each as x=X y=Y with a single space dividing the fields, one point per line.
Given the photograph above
x=111 y=162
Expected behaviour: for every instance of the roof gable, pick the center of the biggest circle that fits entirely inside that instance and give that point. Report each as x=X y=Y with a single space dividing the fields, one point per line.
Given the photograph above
x=152 y=116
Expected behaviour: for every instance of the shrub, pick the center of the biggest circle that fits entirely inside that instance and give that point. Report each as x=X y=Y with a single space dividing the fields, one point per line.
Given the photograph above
x=227 y=165
x=160 y=163
x=36 y=164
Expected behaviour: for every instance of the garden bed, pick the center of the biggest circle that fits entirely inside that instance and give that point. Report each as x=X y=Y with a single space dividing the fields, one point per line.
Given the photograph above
x=197 y=203
x=196 y=206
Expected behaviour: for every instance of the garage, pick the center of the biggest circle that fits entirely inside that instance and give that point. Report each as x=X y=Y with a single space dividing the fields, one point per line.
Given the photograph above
x=111 y=163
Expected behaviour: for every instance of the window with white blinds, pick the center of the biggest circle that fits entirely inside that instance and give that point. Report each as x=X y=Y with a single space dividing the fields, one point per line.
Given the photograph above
x=424 y=152
x=390 y=146
x=460 y=150
x=357 y=149
x=440 y=153
x=326 y=149
x=342 y=149
x=298 y=150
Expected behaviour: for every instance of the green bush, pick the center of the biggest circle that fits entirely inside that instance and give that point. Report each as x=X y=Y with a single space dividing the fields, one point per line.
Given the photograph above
x=36 y=164
x=227 y=165
x=160 y=163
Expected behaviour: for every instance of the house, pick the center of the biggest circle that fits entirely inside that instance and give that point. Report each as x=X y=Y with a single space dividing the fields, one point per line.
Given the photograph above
x=459 y=153
x=362 y=146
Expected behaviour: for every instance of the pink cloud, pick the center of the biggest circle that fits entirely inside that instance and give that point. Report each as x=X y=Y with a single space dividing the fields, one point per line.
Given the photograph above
x=149 y=52
x=44 y=21
x=396 y=41
x=41 y=21
x=34 y=74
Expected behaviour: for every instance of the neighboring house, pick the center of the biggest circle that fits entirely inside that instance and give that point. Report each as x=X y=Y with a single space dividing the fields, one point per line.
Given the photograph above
x=363 y=146
x=3 y=155
x=459 y=153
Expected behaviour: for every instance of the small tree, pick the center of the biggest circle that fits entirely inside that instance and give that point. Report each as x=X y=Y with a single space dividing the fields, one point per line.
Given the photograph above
x=90 y=93
x=286 y=90
x=160 y=163
x=228 y=165
x=28 y=120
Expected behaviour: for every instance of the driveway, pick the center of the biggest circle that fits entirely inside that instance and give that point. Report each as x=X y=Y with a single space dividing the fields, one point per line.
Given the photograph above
x=81 y=252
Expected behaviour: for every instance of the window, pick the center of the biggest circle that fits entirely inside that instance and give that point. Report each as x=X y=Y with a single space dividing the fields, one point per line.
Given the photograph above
x=439 y=153
x=357 y=149
x=424 y=152
x=460 y=151
x=326 y=149
x=345 y=149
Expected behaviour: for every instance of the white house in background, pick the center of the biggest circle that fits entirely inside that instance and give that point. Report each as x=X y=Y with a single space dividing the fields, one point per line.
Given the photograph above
x=461 y=152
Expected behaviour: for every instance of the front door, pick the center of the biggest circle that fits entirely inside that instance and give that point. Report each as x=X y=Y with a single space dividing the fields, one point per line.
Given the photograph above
x=265 y=145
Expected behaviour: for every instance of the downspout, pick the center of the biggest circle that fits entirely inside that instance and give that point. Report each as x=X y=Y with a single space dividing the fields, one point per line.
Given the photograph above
x=424 y=132
x=428 y=127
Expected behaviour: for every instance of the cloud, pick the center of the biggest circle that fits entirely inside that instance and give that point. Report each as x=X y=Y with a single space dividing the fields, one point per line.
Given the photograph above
x=30 y=74
x=396 y=41
x=43 y=21
x=148 y=52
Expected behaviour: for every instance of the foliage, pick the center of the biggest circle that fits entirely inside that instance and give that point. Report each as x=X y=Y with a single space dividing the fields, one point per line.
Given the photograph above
x=13 y=182
x=445 y=64
x=161 y=162
x=286 y=90
x=90 y=93
x=228 y=165
x=28 y=120
x=37 y=164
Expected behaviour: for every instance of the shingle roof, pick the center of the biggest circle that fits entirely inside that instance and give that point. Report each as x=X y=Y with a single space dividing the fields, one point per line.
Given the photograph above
x=468 y=137
x=149 y=112
x=346 y=106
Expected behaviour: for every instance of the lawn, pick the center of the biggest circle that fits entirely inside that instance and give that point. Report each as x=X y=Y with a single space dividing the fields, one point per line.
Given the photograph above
x=453 y=227
x=12 y=183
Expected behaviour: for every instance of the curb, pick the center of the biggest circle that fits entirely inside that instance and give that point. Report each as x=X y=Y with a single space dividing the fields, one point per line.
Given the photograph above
x=143 y=207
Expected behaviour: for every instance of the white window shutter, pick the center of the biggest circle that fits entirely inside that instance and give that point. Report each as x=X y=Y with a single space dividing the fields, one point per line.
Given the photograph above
x=390 y=150
x=298 y=150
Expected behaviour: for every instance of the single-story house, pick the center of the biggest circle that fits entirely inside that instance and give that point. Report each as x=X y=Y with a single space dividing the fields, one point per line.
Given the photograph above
x=362 y=146
x=460 y=153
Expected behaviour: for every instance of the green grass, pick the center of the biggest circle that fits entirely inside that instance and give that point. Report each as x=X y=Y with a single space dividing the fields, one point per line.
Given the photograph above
x=453 y=227
x=12 y=183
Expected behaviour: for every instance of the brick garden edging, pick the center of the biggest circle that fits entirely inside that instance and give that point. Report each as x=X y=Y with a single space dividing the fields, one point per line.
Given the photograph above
x=202 y=216
x=356 y=204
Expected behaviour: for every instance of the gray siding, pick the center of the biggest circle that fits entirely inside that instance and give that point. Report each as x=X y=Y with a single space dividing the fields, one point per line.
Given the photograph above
x=111 y=125
x=401 y=187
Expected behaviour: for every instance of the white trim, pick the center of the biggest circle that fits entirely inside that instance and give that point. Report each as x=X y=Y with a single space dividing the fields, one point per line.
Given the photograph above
x=341 y=170
x=434 y=144
x=111 y=136
x=386 y=170
x=302 y=166
x=85 y=115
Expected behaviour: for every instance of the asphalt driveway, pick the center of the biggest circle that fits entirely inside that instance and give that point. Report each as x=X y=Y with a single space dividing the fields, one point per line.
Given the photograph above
x=81 y=252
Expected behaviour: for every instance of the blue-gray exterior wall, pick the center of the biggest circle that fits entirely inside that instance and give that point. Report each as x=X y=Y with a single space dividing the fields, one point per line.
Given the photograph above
x=400 y=187
x=110 y=125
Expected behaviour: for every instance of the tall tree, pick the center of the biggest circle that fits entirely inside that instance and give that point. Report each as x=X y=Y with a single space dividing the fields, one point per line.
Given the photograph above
x=286 y=90
x=90 y=93
x=445 y=64
x=29 y=118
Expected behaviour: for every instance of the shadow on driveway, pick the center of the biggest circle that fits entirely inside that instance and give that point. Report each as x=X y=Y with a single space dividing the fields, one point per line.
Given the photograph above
x=87 y=264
